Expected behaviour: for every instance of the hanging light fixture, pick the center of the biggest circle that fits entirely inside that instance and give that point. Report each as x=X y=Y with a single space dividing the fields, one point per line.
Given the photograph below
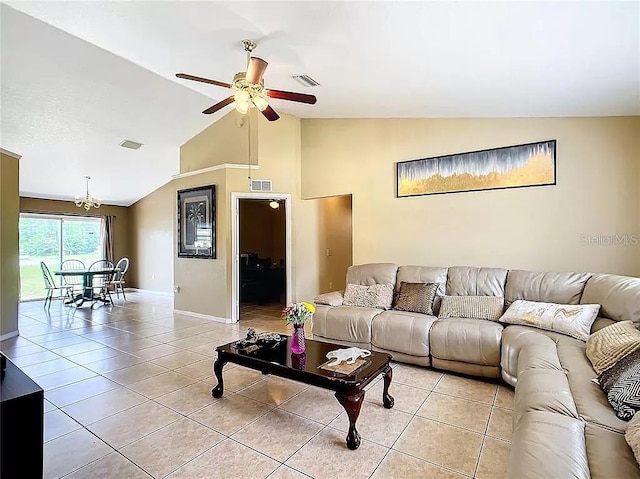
x=87 y=202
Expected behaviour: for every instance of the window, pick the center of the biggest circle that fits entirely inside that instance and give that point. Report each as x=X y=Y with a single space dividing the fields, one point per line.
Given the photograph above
x=54 y=239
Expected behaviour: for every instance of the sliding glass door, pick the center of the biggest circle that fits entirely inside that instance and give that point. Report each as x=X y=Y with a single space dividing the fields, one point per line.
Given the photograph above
x=54 y=239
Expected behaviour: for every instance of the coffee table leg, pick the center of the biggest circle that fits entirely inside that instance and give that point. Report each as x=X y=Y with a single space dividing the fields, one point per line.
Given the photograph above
x=352 y=405
x=387 y=399
x=217 y=391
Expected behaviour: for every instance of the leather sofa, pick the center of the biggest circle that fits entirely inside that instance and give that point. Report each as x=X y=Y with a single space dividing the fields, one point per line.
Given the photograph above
x=563 y=426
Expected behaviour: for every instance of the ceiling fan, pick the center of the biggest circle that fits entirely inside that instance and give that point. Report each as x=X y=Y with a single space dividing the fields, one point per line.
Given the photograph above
x=249 y=87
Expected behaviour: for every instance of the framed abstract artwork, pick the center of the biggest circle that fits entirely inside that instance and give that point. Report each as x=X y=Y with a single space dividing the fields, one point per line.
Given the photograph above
x=533 y=164
x=197 y=222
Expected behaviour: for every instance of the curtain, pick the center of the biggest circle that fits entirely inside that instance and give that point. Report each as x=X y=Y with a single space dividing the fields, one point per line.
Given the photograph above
x=107 y=238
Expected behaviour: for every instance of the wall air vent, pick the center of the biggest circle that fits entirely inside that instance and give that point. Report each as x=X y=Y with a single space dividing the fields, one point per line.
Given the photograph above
x=260 y=185
x=305 y=80
x=132 y=145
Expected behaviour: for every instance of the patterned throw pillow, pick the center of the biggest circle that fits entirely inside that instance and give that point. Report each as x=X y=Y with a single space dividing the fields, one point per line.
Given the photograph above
x=416 y=297
x=574 y=320
x=621 y=384
x=374 y=296
x=610 y=344
x=473 y=307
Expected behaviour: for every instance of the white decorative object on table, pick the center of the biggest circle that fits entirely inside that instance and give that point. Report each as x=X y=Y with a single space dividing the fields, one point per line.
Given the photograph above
x=348 y=354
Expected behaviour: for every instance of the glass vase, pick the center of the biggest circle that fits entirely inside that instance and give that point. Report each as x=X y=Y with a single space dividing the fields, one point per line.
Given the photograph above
x=298 y=345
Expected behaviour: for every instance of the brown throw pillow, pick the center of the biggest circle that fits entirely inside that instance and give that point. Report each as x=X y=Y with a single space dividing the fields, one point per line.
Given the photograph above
x=610 y=344
x=373 y=296
x=416 y=297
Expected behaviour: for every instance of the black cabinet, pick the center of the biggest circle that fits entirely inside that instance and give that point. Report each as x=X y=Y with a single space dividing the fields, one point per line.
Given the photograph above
x=21 y=424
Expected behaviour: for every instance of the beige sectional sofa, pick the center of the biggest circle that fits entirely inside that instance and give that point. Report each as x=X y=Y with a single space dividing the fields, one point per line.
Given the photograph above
x=563 y=426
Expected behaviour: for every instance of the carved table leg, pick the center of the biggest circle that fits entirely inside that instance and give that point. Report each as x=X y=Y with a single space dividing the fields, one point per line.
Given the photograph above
x=387 y=399
x=352 y=405
x=217 y=391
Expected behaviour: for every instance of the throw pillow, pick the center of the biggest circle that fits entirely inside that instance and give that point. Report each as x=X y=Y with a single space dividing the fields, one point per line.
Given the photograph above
x=473 y=307
x=417 y=297
x=632 y=435
x=372 y=296
x=572 y=319
x=610 y=344
x=621 y=384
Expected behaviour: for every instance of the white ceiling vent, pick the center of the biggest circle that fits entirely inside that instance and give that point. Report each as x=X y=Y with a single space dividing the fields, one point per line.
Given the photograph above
x=305 y=80
x=132 y=145
x=260 y=185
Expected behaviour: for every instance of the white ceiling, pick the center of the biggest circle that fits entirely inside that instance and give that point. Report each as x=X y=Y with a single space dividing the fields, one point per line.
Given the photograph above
x=69 y=103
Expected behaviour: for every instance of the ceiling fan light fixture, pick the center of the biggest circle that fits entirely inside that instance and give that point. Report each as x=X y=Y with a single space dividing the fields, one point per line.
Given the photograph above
x=242 y=96
x=242 y=107
x=260 y=103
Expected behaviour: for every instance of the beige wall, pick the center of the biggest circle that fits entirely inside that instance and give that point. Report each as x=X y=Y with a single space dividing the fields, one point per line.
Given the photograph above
x=9 y=244
x=121 y=222
x=262 y=229
x=336 y=242
x=598 y=166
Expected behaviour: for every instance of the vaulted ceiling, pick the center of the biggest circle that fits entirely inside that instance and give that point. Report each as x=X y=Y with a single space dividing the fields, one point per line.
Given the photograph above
x=79 y=77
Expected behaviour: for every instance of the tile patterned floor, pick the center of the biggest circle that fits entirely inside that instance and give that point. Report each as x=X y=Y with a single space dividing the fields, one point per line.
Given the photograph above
x=128 y=394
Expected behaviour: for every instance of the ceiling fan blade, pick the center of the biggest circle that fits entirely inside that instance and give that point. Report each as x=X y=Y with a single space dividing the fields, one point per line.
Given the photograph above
x=219 y=105
x=203 y=80
x=270 y=114
x=255 y=70
x=291 y=96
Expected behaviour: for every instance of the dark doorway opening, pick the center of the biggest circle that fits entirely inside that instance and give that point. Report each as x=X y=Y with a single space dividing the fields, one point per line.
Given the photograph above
x=262 y=240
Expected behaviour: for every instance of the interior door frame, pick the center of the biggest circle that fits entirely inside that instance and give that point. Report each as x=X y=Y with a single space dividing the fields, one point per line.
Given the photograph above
x=235 y=246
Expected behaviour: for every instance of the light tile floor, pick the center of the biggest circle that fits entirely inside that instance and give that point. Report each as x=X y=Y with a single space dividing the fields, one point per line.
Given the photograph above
x=128 y=394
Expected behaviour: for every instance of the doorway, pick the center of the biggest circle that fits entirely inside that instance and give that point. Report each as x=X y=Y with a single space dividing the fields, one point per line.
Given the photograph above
x=261 y=240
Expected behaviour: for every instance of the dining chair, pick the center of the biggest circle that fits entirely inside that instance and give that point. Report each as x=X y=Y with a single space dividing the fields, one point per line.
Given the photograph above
x=100 y=282
x=50 y=286
x=122 y=266
x=74 y=282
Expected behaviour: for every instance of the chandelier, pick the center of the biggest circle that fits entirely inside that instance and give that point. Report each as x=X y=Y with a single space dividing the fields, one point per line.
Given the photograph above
x=87 y=202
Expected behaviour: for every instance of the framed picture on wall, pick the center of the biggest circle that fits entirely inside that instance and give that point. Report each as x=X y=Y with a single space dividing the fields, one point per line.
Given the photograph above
x=197 y=222
x=533 y=164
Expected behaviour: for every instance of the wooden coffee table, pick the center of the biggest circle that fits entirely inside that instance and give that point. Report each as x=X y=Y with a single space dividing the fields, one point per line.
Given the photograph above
x=280 y=361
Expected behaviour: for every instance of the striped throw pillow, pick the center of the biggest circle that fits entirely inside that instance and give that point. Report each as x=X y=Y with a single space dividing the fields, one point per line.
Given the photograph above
x=621 y=384
x=473 y=307
x=607 y=346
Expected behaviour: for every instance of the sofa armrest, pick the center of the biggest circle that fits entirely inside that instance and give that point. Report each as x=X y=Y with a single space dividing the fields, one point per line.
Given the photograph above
x=330 y=299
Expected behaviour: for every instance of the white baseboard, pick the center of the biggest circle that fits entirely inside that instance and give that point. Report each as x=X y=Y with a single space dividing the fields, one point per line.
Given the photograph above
x=10 y=335
x=149 y=291
x=217 y=319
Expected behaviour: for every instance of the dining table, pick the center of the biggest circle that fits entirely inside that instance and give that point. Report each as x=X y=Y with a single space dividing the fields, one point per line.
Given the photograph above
x=87 y=275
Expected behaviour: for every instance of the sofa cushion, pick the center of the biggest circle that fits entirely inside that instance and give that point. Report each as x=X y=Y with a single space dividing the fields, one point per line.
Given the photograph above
x=608 y=454
x=609 y=345
x=344 y=323
x=475 y=341
x=372 y=296
x=621 y=383
x=619 y=296
x=574 y=320
x=472 y=307
x=402 y=331
x=471 y=281
x=416 y=297
x=548 y=445
x=591 y=402
x=563 y=288
x=373 y=273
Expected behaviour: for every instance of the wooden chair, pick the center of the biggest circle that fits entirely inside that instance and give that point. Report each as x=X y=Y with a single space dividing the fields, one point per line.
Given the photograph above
x=117 y=283
x=100 y=282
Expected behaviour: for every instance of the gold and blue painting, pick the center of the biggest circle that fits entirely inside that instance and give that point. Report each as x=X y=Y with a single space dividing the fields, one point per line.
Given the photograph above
x=533 y=164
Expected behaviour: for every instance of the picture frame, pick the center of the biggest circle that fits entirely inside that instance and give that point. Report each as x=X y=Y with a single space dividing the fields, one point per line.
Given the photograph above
x=519 y=166
x=197 y=222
